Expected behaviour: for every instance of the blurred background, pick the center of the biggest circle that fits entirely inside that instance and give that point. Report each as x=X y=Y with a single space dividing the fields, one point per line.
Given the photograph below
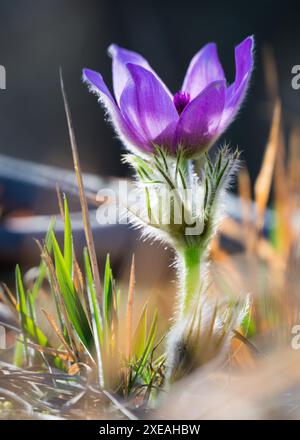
x=36 y=37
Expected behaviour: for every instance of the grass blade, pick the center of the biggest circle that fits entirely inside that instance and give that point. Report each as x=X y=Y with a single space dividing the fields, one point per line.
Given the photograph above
x=95 y=314
x=68 y=241
x=60 y=336
x=43 y=267
x=107 y=293
x=263 y=182
x=83 y=200
x=147 y=350
x=129 y=316
x=74 y=307
x=140 y=334
x=22 y=306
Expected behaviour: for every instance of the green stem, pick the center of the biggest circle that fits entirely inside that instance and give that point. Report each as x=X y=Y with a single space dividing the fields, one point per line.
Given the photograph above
x=192 y=277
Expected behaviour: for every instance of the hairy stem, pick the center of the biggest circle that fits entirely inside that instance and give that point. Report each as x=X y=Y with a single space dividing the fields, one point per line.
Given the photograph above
x=192 y=278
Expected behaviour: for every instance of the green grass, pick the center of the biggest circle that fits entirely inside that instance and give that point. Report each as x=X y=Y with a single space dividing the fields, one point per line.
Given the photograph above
x=86 y=329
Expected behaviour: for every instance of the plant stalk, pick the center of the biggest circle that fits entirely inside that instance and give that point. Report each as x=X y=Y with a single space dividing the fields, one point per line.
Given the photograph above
x=191 y=261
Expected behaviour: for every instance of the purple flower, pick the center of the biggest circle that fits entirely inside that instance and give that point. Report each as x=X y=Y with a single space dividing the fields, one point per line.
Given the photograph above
x=145 y=113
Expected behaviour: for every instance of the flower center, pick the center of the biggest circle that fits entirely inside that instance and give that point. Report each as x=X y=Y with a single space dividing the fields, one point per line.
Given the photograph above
x=181 y=100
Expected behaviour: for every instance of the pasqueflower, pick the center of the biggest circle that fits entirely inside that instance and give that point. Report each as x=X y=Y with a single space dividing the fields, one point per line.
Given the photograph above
x=146 y=114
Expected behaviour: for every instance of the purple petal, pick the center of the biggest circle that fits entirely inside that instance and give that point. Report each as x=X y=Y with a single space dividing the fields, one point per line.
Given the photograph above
x=121 y=75
x=148 y=108
x=96 y=84
x=120 y=57
x=204 y=68
x=237 y=91
x=123 y=129
x=198 y=125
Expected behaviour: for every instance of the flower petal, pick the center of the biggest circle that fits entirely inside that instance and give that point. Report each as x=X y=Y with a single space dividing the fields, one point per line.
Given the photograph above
x=120 y=72
x=121 y=75
x=204 y=68
x=147 y=107
x=198 y=125
x=123 y=128
x=237 y=91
